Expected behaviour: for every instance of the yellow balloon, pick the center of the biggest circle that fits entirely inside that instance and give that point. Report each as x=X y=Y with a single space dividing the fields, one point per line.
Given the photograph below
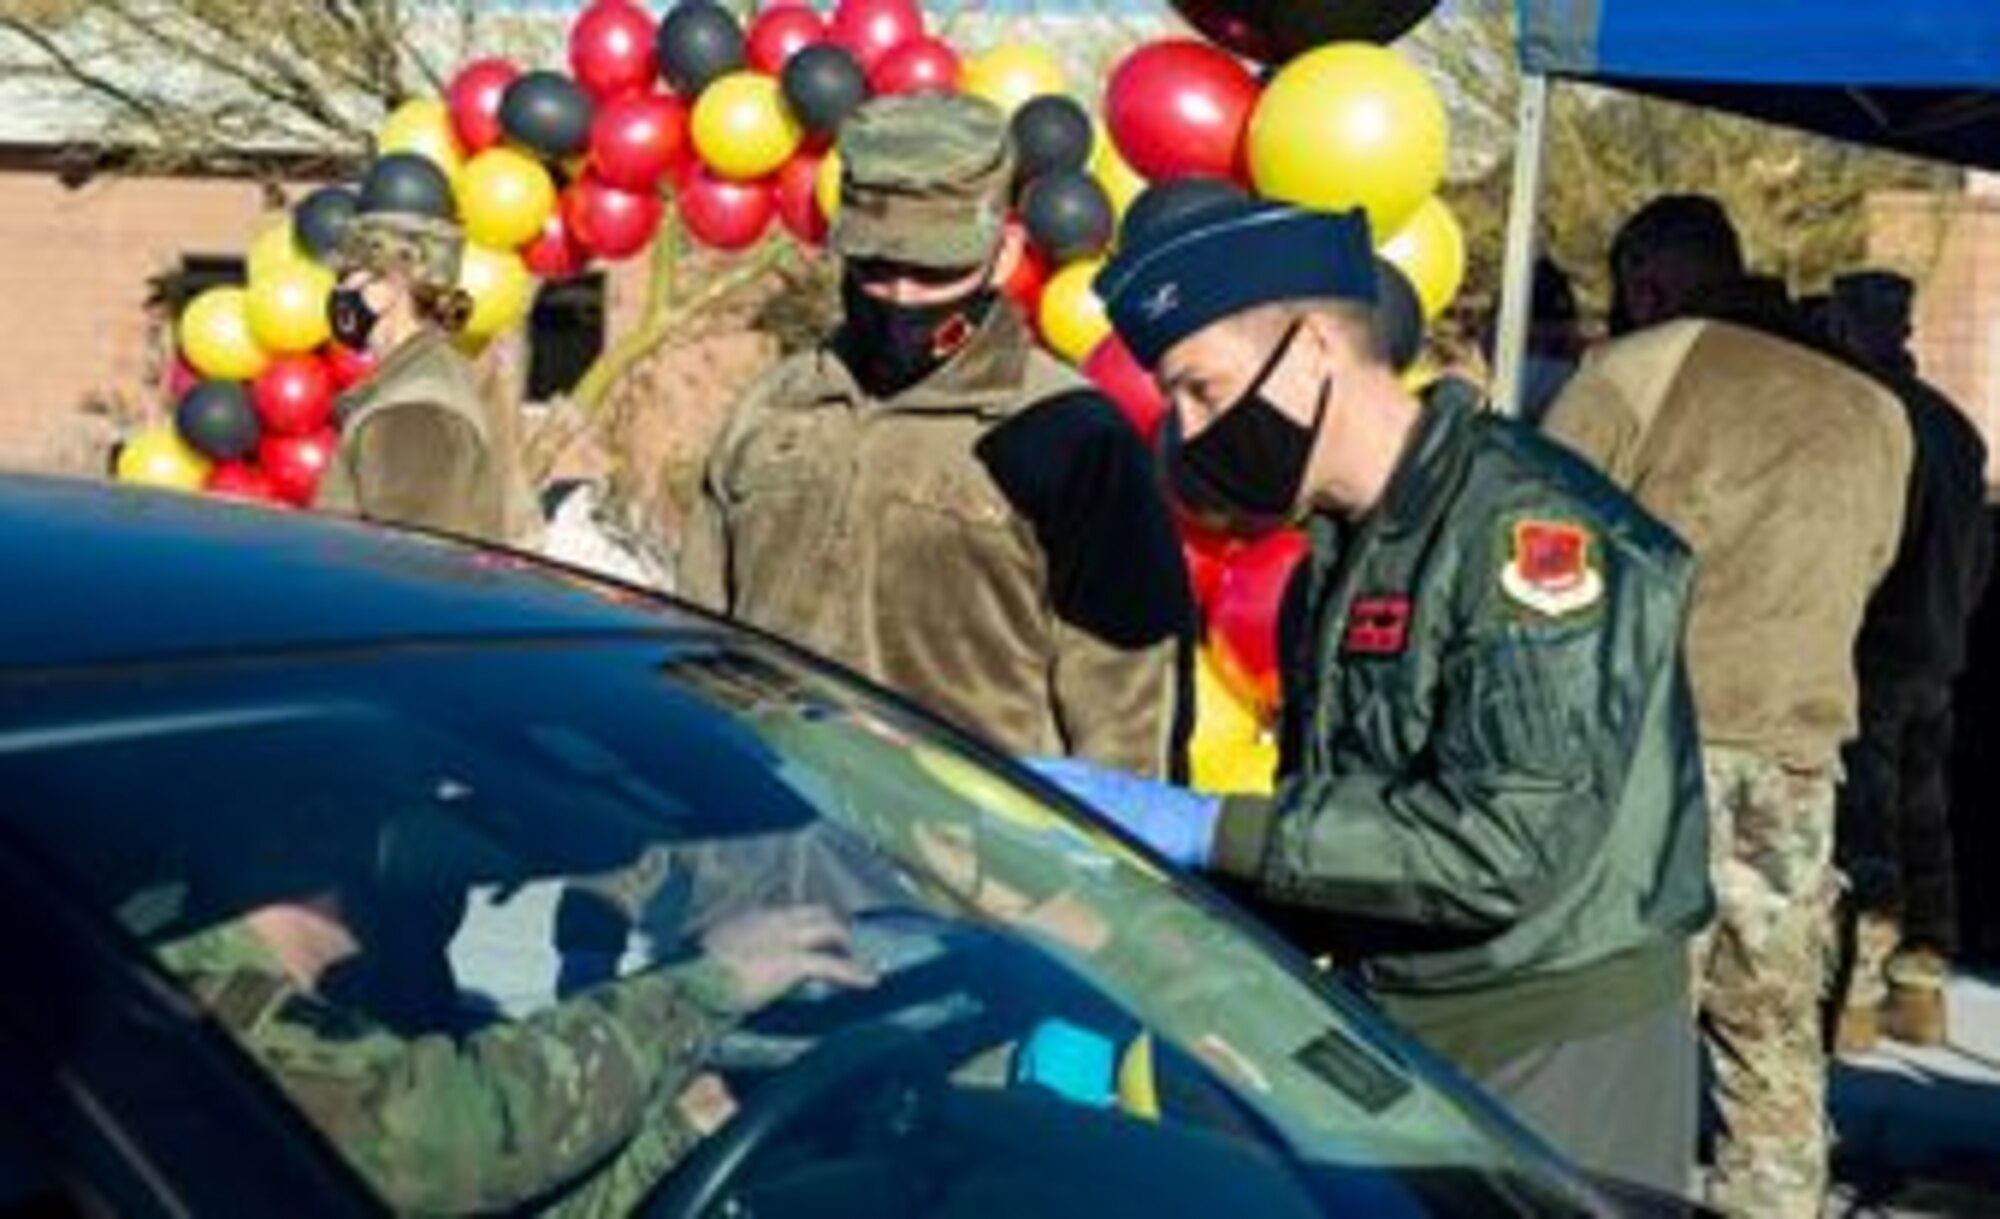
x=215 y=336
x=502 y=290
x=743 y=129
x=1350 y=125
x=1012 y=75
x=505 y=197
x=1231 y=751
x=423 y=127
x=1119 y=179
x=1073 y=318
x=826 y=191
x=275 y=247
x=1430 y=249
x=160 y=458
x=287 y=308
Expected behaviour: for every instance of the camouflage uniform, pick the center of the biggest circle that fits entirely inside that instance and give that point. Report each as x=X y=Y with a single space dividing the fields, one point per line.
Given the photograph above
x=1894 y=812
x=1733 y=433
x=990 y=540
x=572 y=1109
x=1764 y=962
x=420 y=444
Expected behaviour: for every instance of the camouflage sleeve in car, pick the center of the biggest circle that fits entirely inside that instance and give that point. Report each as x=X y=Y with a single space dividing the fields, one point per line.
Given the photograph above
x=509 y=1115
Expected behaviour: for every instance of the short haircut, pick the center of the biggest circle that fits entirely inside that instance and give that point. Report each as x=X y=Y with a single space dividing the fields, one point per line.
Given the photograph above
x=1691 y=227
x=1356 y=318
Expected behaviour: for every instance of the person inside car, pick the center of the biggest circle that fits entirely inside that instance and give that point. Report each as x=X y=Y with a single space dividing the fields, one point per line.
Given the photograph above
x=581 y=1108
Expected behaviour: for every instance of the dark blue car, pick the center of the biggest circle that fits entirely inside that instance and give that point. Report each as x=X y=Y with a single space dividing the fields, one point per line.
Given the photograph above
x=524 y=786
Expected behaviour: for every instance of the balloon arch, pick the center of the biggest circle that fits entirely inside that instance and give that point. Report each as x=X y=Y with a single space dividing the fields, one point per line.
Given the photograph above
x=731 y=125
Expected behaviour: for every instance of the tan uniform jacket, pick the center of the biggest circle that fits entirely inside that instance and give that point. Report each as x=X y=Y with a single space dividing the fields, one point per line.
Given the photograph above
x=1786 y=473
x=992 y=543
x=420 y=447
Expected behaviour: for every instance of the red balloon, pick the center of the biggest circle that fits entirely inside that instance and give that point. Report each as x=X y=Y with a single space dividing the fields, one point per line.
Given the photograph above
x=1129 y=386
x=1180 y=109
x=638 y=142
x=346 y=366
x=611 y=49
x=726 y=215
x=610 y=223
x=780 y=32
x=873 y=28
x=798 y=199
x=921 y=65
x=555 y=254
x=295 y=464
x=474 y=102
x=240 y=480
x=294 y=396
x=1207 y=556
x=1024 y=286
x=1243 y=615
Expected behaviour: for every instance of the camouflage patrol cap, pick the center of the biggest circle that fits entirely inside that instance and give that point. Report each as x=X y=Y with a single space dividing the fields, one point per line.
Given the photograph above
x=422 y=249
x=924 y=180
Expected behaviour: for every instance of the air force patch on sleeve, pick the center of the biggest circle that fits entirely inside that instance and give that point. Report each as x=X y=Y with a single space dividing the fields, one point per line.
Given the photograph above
x=1552 y=568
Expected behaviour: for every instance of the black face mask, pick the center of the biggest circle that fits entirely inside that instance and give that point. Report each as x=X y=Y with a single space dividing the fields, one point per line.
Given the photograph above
x=353 y=321
x=1248 y=469
x=890 y=347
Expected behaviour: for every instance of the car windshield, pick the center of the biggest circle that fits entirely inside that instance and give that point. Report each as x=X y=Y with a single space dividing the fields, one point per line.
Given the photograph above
x=426 y=887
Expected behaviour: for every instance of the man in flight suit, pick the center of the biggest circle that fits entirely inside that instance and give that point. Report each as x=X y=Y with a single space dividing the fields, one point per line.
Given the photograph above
x=1490 y=799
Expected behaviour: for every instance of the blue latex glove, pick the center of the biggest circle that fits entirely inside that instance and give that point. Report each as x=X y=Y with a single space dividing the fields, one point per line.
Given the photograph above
x=1174 y=821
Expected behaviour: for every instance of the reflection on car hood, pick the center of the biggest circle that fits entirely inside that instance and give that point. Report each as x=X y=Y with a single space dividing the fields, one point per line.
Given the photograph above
x=102 y=574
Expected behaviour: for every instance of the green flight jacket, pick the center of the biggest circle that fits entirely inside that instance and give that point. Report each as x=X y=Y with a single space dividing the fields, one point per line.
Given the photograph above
x=1491 y=797
x=991 y=542
x=576 y=1102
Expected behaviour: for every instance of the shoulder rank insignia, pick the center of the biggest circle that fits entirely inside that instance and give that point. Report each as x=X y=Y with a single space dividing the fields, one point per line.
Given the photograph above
x=1552 y=569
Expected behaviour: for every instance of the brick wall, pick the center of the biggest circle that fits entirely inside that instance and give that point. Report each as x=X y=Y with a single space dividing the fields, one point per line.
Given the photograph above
x=73 y=287
x=73 y=280
x=1951 y=246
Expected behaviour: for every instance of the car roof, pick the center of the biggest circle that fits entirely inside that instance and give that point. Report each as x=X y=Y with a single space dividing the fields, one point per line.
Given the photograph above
x=94 y=574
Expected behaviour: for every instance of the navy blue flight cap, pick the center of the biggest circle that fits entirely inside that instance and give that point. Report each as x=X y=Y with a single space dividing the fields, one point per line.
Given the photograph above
x=1229 y=258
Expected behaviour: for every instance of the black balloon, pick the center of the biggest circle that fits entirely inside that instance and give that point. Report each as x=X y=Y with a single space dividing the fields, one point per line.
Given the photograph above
x=1166 y=205
x=1399 y=315
x=1069 y=216
x=824 y=84
x=320 y=219
x=406 y=183
x=698 y=42
x=217 y=421
x=547 y=113
x=1051 y=133
x=1274 y=31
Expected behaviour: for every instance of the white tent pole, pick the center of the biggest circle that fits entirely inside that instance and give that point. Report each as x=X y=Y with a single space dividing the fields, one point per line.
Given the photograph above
x=1510 y=339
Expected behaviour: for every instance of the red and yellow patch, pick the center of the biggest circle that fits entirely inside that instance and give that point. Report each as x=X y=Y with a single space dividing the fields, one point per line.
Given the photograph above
x=1552 y=568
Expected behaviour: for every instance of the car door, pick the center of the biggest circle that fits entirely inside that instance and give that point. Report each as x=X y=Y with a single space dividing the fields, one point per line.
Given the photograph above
x=116 y=1094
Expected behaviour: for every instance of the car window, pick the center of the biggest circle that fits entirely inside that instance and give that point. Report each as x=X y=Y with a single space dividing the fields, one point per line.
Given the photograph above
x=582 y=925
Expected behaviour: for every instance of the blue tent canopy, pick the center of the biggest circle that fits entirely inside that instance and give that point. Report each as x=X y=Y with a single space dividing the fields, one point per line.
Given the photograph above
x=1920 y=76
